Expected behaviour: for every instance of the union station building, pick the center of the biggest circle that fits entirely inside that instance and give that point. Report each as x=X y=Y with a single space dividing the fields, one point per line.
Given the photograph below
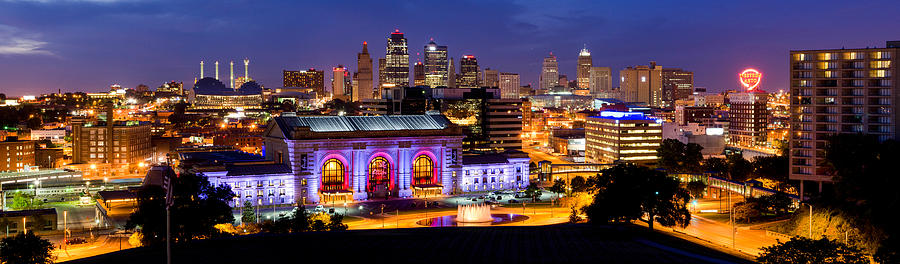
x=342 y=158
x=336 y=159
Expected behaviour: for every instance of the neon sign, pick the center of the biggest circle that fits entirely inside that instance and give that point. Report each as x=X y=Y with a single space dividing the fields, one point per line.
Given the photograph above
x=750 y=78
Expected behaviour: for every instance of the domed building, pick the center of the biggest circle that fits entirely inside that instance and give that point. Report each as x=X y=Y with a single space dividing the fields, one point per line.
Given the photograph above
x=209 y=93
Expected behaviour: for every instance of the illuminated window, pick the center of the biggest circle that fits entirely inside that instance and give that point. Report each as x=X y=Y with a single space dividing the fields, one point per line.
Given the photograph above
x=333 y=175
x=379 y=173
x=423 y=170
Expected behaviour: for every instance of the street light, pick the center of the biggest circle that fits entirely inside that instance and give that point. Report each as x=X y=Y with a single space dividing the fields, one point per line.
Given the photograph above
x=810 y=220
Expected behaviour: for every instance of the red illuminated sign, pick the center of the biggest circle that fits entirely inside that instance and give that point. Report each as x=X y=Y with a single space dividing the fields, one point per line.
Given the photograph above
x=750 y=78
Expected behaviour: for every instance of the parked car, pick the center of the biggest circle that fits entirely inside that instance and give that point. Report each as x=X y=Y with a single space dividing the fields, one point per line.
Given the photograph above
x=435 y=204
x=331 y=210
x=474 y=199
x=76 y=241
x=512 y=201
x=320 y=208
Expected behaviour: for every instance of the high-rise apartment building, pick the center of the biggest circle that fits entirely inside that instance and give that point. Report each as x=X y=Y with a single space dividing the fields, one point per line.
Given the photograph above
x=509 y=85
x=678 y=84
x=312 y=79
x=363 y=88
x=583 y=72
x=396 y=61
x=174 y=88
x=382 y=77
x=600 y=81
x=549 y=72
x=642 y=84
x=840 y=91
x=418 y=74
x=468 y=72
x=627 y=137
x=436 y=65
x=491 y=78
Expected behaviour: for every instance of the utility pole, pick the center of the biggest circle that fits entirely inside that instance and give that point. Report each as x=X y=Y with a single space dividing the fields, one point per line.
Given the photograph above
x=810 y=221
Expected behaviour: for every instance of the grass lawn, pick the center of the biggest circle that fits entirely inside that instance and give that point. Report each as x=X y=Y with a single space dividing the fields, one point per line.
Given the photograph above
x=581 y=243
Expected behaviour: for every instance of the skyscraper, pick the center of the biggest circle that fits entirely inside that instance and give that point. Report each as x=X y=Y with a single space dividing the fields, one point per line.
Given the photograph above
x=549 y=72
x=436 y=64
x=419 y=74
x=468 y=71
x=600 y=81
x=382 y=77
x=678 y=84
x=339 y=87
x=491 y=78
x=840 y=91
x=396 y=61
x=642 y=84
x=509 y=85
x=583 y=73
x=451 y=74
x=363 y=88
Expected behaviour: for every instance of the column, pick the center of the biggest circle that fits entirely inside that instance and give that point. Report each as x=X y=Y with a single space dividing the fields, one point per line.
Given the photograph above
x=359 y=175
x=403 y=172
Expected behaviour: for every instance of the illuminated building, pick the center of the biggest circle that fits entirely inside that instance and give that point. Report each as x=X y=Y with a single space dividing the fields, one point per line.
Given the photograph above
x=748 y=114
x=418 y=74
x=340 y=83
x=174 y=88
x=694 y=114
x=567 y=101
x=643 y=84
x=468 y=72
x=600 y=81
x=120 y=146
x=451 y=75
x=396 y=69
x=343 y=158
x=549 y=72
x=840 y=91
x=312 y=80
x=494 y=171
x=509 y=85
x=583 y=73
x=382 y=77
x=363 y=88
x=16 y=155
x=436 y=65
x=491 y=78
x=678 y=84
x=211 y=94
x=622 y=137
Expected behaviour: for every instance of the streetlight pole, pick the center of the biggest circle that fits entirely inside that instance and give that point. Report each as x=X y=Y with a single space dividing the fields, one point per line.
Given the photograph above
x=810 y=220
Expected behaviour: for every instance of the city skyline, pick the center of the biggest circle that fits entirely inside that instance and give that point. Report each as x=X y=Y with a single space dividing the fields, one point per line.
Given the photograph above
x=166 y=40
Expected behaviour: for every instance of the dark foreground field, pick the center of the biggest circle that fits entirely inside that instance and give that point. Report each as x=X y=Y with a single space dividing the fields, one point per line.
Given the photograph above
x=539 y=244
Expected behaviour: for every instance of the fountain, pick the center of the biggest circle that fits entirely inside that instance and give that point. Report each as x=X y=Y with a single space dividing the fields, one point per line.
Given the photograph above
x=476 y=213
x=472 y=215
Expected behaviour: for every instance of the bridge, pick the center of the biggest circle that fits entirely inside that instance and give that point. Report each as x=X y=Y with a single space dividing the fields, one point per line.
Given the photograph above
x=547 y=170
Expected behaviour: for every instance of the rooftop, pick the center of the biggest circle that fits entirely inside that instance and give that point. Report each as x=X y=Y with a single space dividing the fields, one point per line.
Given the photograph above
x=257 y=169
x=615 y=115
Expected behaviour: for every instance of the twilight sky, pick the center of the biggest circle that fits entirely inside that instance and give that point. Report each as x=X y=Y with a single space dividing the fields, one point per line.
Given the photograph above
x=86 y=45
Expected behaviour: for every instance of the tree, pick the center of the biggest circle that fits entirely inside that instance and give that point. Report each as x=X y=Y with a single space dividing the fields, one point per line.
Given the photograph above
x=247 y=214
x=775 y=168
x=716 y=166
x=739 y=169
x=337 y=223
x=696 y=188
x=864 y=169
x=801 y=250
x=778 y=203
x=198 y=206
x=747 y=210
x=678 y=157
x=579 y=184
x=559 y=186
x=25 y=248
x=532 y=191
x=574 y=218
x=627 y=192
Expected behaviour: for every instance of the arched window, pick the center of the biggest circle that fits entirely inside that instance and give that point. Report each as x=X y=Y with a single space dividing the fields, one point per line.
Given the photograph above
x=333 y=175
x=423 y=170
x=379 y=173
